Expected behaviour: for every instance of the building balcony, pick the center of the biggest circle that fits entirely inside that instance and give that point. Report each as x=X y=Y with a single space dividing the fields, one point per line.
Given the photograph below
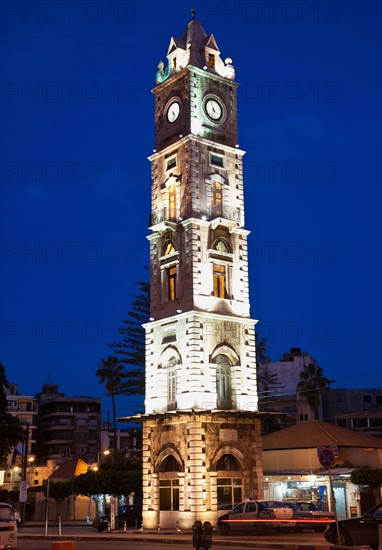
x=57 y=441
x=58 y=426
x=168 y=215
x=56 y=413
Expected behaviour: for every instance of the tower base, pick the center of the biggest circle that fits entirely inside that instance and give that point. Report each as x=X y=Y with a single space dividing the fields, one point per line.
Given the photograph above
x=198 y=464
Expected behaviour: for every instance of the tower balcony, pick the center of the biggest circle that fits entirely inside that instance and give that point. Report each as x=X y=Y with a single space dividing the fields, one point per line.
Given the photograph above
x=168 y=215
x=161 y=215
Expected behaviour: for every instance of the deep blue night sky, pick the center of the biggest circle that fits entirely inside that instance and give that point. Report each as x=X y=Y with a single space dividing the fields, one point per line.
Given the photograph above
x=75 y=179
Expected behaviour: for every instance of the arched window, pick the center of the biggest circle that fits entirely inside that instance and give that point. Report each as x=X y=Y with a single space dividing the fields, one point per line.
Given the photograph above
x=169 y=248
x=171 y=384
x=223 y=382
x=221 y=246
x=227 y=462
x=170 y=464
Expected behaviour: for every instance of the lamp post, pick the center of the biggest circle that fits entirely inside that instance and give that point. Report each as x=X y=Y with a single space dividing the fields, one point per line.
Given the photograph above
x=30 y=470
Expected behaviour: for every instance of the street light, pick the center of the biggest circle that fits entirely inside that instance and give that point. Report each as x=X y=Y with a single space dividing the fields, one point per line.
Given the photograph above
x=104 y=453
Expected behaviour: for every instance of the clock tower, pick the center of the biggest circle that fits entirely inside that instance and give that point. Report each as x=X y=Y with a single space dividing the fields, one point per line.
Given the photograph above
x=201 y=428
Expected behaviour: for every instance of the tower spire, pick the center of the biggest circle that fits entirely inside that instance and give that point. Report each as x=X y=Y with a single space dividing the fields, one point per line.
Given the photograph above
x=193 y=13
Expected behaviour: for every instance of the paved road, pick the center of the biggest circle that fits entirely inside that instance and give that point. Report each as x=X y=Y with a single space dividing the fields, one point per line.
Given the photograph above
x=87 y=538
x=109 y=545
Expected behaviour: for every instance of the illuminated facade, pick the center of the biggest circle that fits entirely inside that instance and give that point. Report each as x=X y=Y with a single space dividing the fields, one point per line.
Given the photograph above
x=201 y=429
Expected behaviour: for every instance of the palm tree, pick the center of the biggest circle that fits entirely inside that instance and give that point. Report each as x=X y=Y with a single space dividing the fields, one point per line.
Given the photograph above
x=312 y=382
x=112 y=373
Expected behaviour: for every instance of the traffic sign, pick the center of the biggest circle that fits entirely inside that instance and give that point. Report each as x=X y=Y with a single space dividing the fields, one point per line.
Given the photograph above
x=23 y=491
x=326 y=457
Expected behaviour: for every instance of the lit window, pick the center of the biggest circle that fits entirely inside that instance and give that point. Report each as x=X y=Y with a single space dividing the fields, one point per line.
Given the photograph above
x=211 y=60
x=172 y=284
x=216 y=160
x=221 y=246
x=216 y=198
x=168 y=249
x=172 y=201
x=219 y=281
x=171 y=163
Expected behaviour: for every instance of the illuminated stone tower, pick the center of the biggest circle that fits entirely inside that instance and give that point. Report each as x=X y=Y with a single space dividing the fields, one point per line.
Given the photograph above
x=201 y=429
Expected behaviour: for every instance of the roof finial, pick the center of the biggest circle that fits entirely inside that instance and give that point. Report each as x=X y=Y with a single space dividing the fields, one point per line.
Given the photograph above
x=193 y=10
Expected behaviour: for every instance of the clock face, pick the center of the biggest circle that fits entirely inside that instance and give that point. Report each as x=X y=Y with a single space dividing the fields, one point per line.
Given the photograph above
x=173 y=111
x=214 y=109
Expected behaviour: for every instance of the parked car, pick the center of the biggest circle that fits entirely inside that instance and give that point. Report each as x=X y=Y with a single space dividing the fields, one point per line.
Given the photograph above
x=8 y=527
x=361 y=530
x=256 y=516
x=129 y=514
x=315 y=518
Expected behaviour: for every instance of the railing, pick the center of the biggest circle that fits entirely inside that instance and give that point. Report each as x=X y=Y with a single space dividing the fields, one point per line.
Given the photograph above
x=218 y=211
x=162 y=215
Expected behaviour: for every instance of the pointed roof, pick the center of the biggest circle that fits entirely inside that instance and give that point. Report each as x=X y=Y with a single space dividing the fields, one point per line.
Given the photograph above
x=193 y=39
x=314 y=433
x=211 y=43
x=70 y=468
x=194 y=33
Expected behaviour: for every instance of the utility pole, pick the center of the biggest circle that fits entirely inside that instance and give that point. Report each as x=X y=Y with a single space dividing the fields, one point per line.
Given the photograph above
x=24 y=472
x=47 y=507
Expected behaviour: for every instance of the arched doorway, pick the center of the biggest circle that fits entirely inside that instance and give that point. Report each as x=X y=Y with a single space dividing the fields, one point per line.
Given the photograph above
x=169 y=468
x=169 y=484
x=229 y=483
